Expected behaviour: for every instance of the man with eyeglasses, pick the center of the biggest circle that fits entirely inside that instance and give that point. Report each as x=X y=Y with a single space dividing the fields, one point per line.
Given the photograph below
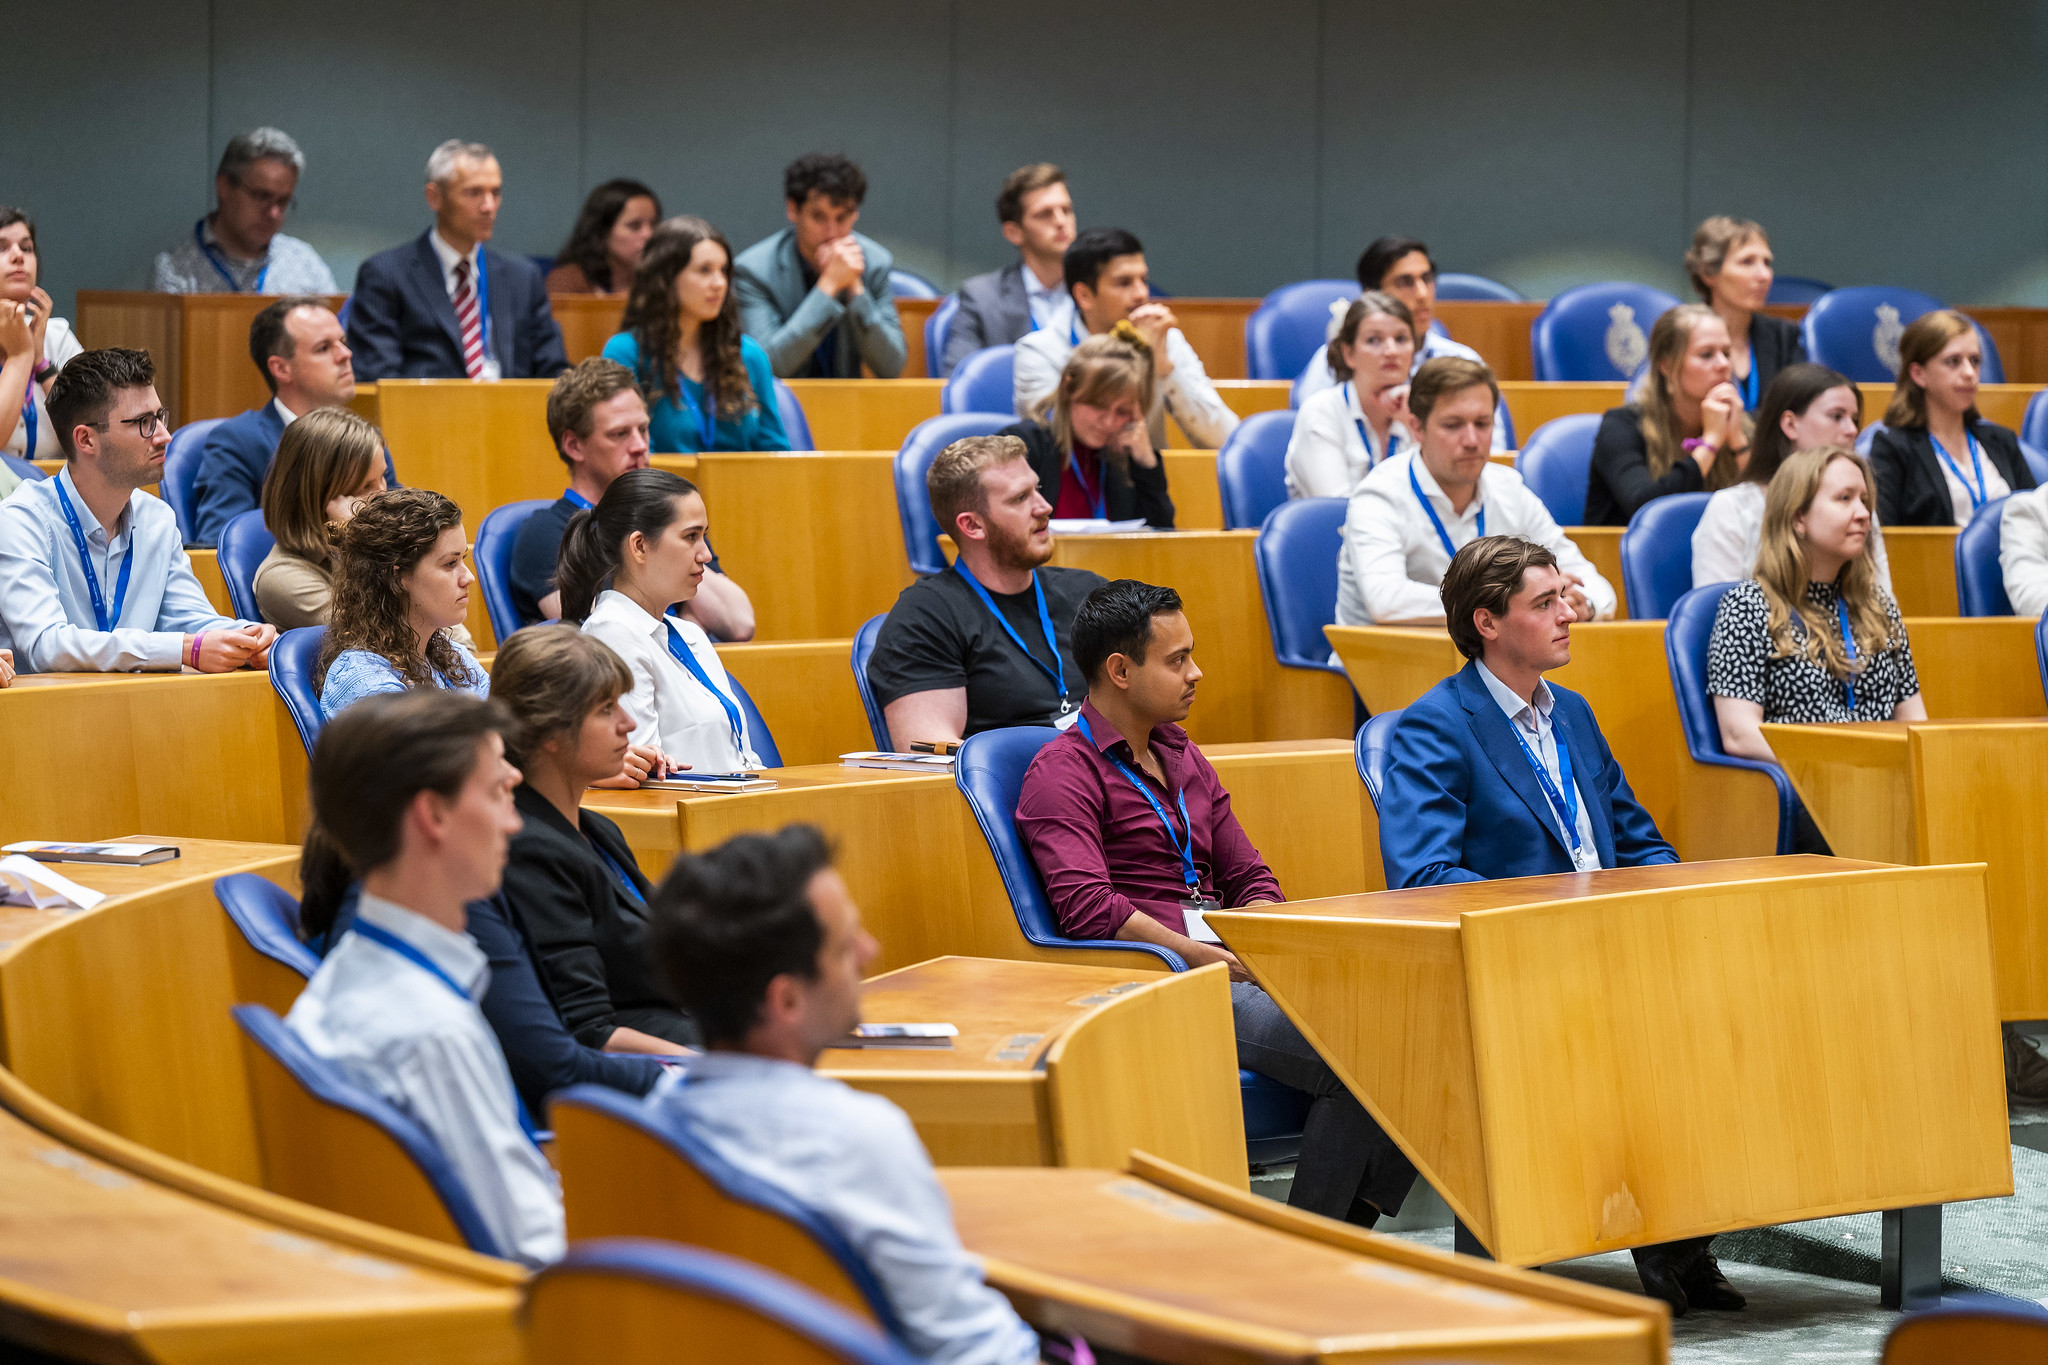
x=237 y=249
x=93 y=573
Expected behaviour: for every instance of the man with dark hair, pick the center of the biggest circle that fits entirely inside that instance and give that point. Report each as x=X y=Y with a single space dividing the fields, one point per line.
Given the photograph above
x=238 y=248
x=764 y=946
x=93 y=573
x=1134 y=837
x=1037 y=217
x=816 y=295
x=985 y=643
x=1109 y=282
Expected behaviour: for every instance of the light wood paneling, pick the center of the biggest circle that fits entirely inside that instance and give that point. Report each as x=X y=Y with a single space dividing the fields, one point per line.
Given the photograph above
x=865 y=414
x=206 y=568
x=1601 y=545
x=1191 y=480
x=914 y=313
x=1923 y=562
x=587 y=321
x=805 y=692
x=1215 y=329
x=1972 y=666
x=200 y=343
x=483 y=445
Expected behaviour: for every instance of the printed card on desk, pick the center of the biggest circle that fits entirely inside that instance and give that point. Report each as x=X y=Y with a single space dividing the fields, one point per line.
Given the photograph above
x=909 y=763
x=901 y=1035
x=118 y=855
x=1094 y=526
x=24 y=881
x=687 y=781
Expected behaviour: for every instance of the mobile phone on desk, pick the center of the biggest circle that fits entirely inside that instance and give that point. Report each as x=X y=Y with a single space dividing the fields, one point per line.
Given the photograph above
x=934 y=746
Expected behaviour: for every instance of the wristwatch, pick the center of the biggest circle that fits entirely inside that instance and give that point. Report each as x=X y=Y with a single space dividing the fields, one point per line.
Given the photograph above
x=43 y=370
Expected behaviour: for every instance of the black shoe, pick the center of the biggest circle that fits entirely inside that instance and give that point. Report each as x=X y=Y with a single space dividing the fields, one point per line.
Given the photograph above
x=1364 y=1214
x=1661 y=1268
x=2026 y=1070
x=1706 y=1287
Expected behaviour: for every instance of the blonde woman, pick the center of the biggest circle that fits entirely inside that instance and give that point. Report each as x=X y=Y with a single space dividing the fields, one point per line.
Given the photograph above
x=1731 y=268
x=1687 y=433
x=1937 y=459
x=1087 y=441
x=327 y=463
x=1341 y=433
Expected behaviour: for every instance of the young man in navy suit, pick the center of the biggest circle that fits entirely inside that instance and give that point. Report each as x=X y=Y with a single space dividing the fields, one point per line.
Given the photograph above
x=1497 y=773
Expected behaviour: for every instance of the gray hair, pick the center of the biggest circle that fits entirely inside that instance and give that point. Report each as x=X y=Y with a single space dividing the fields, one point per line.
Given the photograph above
x=261 y=144
x=441 y=164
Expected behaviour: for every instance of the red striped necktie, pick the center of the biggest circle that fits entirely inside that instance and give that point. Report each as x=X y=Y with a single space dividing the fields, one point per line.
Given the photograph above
x=470 y=320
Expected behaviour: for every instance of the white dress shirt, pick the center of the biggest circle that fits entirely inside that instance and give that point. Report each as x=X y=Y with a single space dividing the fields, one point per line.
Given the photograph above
x=1332 y=447
x=856 y=1160
x=448 y=256
x=669 y=707
x=1392 y=564
x=1048 y=302
x=2023 y=550
x=1539 y=732
x=397 y=1031
x=60 y=344
x=1994 y=486
x=1724 y=544
x=1317 y=375
x=1186 y=393
x=46 y=614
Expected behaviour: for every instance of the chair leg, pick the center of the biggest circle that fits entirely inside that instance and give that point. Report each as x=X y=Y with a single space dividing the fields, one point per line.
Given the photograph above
x=1911 y=1275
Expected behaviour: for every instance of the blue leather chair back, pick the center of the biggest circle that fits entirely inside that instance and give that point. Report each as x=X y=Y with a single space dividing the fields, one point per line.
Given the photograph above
x=908 y=284
x=863 y=650
x=1290 y=325
x=1980 y=583
x=1656 y=553
x=180 y=485
x=1296 y=553
x=326 y=1083
x=1797 y=289
x=25 y=470
x=244 y=541
x=1687 y=632
x=495 y=540
x=2036 y=458
x=757 y=729
x=1557 y=461
x=914 y=461
x=1857 y=332
x=2041 y=650
x=1866 y=437
x=2034 y=426
x=985 y=381
x=1251 y=469
x=1597 y=333
x=293 y=659
x=938 y=330
x=268 y=917
x=794 y=424
x=1455 y=286
x=1369 y=751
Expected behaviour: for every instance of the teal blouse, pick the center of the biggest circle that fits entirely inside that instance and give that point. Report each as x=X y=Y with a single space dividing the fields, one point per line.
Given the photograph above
x=677 y=428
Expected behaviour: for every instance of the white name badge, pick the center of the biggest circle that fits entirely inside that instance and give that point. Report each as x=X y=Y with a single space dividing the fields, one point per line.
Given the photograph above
x=1196 y=915
x=1065 y=720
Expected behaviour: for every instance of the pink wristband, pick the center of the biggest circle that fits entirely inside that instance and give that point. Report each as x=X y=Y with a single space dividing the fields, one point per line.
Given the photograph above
x=197 y=641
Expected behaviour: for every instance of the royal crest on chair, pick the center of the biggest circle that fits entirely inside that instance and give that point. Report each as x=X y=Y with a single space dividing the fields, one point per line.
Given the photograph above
x=1884 y=338
x=1627 y=347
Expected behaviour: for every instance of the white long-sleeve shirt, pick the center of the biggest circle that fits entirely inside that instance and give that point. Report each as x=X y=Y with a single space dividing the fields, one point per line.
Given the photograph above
x=1331 y=448
x=1317 y=376
x=2023 y=551
x=1186 y=393
x=669 y=707
x=1724 y=544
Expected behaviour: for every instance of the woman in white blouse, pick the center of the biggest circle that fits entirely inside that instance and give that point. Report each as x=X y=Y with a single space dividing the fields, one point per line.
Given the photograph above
x=33 y=347
x=1341 y=433
x=623 y=564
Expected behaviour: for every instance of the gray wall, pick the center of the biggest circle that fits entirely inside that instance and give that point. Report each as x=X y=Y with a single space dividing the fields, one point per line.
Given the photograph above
x=1248 y=145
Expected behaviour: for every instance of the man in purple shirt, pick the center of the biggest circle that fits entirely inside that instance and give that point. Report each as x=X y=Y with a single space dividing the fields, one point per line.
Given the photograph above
x=1134 y=836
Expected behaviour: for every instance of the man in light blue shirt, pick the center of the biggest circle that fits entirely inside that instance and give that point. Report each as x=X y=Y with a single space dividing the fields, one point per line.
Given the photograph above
x=237 y=248
x=93 y=572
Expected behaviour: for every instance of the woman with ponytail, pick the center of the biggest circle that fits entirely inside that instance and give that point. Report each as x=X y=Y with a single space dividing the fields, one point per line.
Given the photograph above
x=1088 y=442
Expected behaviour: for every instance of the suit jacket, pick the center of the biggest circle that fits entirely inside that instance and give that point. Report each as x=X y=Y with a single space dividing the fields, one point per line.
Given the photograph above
x=994 y=311
x=232 y=464
x=1910 y=488
x=1774 y=343
x=401 y=324
x=789 y=318
x=1140 y=493
x=1460 y=802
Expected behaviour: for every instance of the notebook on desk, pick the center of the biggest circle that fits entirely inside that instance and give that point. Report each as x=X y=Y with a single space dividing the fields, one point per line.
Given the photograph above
x=118 y=855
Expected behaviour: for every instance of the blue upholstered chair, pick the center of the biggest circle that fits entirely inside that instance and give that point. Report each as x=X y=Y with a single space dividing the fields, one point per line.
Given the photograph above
x=1797 y=289
x=1557 y=462
x=1866 y=437
x=795 y=425
x=1597 y=333
x=1251 y=469
x=25 y=470
x=1980 y=583
x=986 y=381
x=2034 y=426
x=2037 y=460
x=1454 y=287
x=1686 y=634
x=938 y=330
x=293 y=659
x=914 y=461
x=908 y=284
x=863 y=650
x=1290 y=325
x=180 y=485
x=1369 y=752
x=1656 y=553
x=267 y=962
x=1857 y=331
x=764 y=743
x=2041 y=650
x=1296 y=554
x=495 y=540
x=244 y=541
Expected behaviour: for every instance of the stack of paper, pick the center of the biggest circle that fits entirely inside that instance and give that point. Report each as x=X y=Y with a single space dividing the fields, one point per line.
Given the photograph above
x=24 y=881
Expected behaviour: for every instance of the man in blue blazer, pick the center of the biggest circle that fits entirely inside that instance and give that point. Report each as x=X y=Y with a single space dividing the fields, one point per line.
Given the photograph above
x=1497 y=773
x=444 y=305
x=816 y=295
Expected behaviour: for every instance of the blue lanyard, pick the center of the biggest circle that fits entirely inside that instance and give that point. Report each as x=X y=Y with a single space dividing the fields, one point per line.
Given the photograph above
x=1749 y=386
x=1098 y=496
x=577 y=499
x=1185 y=850
x=221 y=266
x=1074 y=327
x=701 y=411
x=1566 y=805
x=1434 y=519
x=92 y=579
x=29 y=419
x=1351 y=397
x=625 y=878
x=1058 y=673
x=1980 y=491
x=1848 y=647
x=687 y=657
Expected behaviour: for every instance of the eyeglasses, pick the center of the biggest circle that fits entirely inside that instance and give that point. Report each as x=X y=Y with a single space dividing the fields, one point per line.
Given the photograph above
x=149 y=423
x=269 y=203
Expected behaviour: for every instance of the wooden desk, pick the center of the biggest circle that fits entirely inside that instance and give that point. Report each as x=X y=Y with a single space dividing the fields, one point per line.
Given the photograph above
x=1532 y=404
x=1601 y=545
x=865 y=414
x=206 y=568
x=1191 y=482
x=1587 y=1062
x=1923 y=560
x=483 y=445
x=1168 y=1266
x=1059 y=1065
x=914 y=313
x=587 y=321
x=200 y=343
x=1942 y=792
x=805 y=692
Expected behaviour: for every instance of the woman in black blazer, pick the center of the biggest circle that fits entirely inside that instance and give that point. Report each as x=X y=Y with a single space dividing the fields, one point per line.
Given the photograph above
x=1731 y=268
x=1685 y=431
x=1088 y=442
x=1937 y=460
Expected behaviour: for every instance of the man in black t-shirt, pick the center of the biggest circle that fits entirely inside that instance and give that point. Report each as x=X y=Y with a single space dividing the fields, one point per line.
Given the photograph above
x=988 y=642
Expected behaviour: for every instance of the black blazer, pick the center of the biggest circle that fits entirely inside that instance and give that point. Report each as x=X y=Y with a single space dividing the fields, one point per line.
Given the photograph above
x=589 y=937
x=1619 y=481
x=1139 y=493
x=401 y=324
x=994 y=311
x=1773 y=344
x=1910 y=488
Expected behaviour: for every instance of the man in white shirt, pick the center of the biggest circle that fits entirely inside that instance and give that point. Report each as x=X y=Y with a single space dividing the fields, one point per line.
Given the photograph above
x=93 y=573
x=1109 y=281
x=1413 y=512
x=238 y=248
x=766 y=949
x=1004 y=306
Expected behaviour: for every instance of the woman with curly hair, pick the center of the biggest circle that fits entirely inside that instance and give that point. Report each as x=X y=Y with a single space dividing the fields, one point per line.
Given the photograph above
x=604 y=247
x=707 y=383
x=401 y=586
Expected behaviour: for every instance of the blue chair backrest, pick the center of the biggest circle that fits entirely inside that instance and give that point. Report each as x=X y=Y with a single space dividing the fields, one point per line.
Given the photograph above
x=1296 y=553
x=914 y=461
x=795 y=425
x=341 y=313
x=1656 y=553
x=908 y=284
x=325 y=1082
x=1687 y=632
x=25 y=470
x=938 y=330
x=863 y=650
x=1456 y=286
x=180 y=485
x=1797 y=289
x=1597 y=333
x=495 y=540
x=2041 y=650
x=1369 y=752
x=2034 y=426
x=1867 y=436
x=757 y=729
x=986 y=381
x=244 y=541
x=1980 y=583
x=990 y=773
x=1857 y=332
x=2037 y=460
x=1251 y=469
x=293 y=659
x=268 y=917
x=1290 y=325
x=1557 y=461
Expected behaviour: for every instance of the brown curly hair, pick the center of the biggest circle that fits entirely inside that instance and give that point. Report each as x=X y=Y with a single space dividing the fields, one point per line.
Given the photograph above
x=651 y=317
x=373 y=551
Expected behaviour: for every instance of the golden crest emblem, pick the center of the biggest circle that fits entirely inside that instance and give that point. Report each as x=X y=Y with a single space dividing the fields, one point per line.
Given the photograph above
x=1884 y=338
x=1627 y=347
